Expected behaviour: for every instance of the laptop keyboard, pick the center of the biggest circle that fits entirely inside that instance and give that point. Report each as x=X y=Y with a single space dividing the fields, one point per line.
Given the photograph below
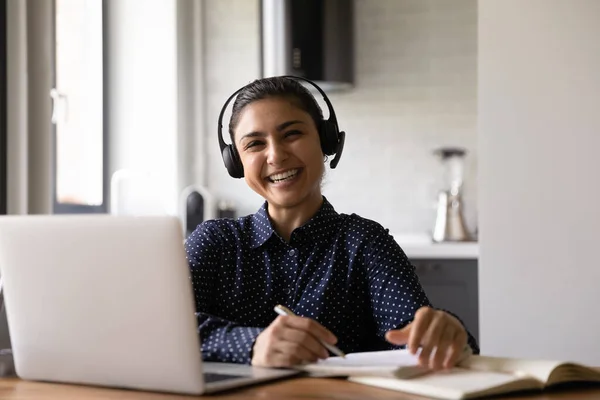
x=211 y=377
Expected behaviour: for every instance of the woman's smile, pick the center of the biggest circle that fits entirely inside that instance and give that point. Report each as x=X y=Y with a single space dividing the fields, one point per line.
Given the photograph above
x=284 y=178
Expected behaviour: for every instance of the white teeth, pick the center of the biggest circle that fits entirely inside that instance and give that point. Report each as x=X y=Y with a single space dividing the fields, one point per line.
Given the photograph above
x=283 y=176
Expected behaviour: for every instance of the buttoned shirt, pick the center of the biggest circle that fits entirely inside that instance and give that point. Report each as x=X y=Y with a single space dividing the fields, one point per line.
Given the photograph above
x=342 y=270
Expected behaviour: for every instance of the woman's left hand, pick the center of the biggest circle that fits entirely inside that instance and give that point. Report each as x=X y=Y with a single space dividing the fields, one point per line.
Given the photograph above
x=433 y=330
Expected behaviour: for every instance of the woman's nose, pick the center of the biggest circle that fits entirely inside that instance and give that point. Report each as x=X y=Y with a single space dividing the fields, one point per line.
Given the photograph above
x=276 y=154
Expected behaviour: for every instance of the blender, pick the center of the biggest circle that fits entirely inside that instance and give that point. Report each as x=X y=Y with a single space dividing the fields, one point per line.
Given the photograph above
x=449 y=223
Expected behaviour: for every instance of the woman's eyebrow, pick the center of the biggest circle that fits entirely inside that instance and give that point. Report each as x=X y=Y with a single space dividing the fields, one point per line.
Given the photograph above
x=284 y=125
x=252 y=135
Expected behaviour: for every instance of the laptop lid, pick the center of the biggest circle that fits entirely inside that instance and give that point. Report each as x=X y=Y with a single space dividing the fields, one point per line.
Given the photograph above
x=99 y=299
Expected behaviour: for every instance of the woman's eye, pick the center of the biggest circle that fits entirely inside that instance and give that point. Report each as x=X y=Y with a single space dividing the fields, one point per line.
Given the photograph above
x=254 y=143
x=292 y=133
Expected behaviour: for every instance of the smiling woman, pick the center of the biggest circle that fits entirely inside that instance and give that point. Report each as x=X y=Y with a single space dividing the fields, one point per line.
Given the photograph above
x=344 y=276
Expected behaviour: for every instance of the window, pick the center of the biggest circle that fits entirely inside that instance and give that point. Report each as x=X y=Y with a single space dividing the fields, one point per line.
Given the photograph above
x=80 y=153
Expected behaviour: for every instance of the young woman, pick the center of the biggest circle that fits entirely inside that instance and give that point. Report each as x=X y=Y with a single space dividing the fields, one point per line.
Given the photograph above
x=344 y=276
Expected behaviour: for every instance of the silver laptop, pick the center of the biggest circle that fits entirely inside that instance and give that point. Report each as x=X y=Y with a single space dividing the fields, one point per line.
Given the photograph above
x=106 y=300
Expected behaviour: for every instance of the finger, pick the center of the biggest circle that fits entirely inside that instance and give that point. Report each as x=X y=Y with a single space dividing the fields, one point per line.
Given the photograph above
x=295 y=352
x=281 y=360
x=399 y=336
x=422 y=320
x=456 y=349
x=431 y=338
x=442 y=347
x=279 y=322
x=312 y=326
x=282 y=332
x=305 y=339
x=264 y=344
x=277 y=327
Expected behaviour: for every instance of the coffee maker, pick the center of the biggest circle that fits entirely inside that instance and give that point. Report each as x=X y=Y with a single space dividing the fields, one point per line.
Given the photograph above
x=449 y=223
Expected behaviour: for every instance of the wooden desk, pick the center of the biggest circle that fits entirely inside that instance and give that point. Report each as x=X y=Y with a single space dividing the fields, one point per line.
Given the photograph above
x=294 y=388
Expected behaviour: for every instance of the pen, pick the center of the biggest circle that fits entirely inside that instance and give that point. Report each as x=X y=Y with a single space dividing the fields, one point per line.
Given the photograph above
x=283 y=310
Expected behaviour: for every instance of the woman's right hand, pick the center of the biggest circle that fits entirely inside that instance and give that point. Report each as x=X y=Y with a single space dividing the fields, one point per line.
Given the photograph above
x=291 y=340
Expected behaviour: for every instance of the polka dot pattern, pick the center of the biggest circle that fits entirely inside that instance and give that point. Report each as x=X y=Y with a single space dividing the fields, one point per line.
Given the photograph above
x=344 y=271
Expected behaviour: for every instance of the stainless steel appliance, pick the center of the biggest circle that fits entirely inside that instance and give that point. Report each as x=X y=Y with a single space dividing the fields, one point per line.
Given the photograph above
x=449 y=223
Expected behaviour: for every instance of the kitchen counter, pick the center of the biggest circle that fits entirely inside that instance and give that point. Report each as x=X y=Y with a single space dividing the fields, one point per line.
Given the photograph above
x=422 y=247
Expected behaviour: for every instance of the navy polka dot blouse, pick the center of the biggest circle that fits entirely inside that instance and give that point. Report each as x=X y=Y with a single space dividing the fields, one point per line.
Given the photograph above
x=342 y=270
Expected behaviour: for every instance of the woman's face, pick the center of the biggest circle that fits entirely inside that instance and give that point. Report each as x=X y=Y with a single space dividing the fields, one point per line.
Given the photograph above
x=280 y=150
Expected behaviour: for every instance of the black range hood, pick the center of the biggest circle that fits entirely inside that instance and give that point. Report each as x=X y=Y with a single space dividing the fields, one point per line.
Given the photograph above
x=309 y=38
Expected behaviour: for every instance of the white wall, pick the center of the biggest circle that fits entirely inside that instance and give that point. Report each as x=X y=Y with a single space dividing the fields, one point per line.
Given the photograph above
x=143 y=92
x=539 y=125
x=415 y=90
x=231 y=59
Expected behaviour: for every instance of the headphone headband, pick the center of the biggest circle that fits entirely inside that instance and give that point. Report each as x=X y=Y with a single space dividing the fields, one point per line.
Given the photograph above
x=331 y=134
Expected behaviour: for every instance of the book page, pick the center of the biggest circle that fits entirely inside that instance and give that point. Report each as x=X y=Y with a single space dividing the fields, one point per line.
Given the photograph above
x=457 y=383
x=570 y=372
x=539 y=369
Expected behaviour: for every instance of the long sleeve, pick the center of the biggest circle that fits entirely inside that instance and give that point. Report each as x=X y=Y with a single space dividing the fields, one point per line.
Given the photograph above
x=221 y=340
x=395 y=290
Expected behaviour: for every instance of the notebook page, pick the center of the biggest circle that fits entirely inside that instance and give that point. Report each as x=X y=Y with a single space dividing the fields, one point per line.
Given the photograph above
x=381 y=363
x=394 y=358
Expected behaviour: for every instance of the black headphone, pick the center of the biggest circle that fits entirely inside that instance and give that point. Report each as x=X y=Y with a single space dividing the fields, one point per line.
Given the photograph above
x=332 y=140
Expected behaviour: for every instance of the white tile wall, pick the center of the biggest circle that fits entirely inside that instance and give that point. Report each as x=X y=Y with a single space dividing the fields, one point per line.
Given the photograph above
x=415 y=90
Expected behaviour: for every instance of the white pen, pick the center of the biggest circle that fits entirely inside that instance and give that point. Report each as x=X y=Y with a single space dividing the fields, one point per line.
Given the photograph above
x=283 y=310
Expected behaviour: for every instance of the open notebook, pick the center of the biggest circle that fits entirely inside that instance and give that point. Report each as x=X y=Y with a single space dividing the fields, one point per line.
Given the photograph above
x=479 y=376
x=475 y=376
x=390 y=363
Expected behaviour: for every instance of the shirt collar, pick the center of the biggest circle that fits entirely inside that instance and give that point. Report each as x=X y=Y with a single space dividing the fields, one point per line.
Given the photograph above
x=260 y=228
x=321 y=224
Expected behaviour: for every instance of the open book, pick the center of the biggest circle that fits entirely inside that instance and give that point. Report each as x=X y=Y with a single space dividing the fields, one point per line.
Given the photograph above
x=478 y=376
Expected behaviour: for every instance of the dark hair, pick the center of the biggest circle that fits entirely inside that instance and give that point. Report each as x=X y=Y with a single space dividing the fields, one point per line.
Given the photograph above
x=288 y=88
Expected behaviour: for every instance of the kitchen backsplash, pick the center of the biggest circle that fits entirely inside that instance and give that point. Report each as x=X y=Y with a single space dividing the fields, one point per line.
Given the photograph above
x=415 y=90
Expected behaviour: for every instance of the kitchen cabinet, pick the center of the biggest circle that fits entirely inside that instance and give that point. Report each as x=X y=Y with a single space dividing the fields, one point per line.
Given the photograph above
x=452 y=284
x=448 y=272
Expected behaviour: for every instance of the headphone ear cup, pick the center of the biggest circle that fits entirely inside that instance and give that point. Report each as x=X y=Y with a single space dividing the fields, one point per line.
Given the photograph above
x=232 y=162
x=329 y=137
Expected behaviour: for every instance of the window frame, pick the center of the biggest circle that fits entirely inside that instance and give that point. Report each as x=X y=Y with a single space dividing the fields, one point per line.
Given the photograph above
x=3 y=110
x=66 y=208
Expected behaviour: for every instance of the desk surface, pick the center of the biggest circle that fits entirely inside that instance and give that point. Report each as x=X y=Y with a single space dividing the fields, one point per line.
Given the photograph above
x=295 y=388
